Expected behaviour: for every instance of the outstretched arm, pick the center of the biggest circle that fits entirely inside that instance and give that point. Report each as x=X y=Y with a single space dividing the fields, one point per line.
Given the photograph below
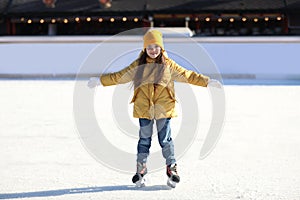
x=181 y=74
x=123 y=76
x=120 y=77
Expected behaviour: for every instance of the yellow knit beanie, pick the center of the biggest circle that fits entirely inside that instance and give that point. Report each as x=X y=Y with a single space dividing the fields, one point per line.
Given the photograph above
x=153 y=37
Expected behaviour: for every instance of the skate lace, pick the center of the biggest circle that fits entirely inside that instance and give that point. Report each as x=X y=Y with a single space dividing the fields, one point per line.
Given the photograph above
x=141 y=168
x=173 y=169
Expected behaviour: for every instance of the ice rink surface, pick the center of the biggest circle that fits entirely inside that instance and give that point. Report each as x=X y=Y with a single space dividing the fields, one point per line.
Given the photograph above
x=42 y=157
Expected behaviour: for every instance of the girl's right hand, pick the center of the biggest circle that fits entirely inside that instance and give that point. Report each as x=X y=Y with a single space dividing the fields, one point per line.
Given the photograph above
x=93 y=82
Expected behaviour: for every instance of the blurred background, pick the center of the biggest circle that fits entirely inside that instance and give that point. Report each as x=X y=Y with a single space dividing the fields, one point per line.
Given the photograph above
x=249 y=40
x=99 y=17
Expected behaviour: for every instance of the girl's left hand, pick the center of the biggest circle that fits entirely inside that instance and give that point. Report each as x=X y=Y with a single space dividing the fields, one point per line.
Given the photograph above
x=214 y=83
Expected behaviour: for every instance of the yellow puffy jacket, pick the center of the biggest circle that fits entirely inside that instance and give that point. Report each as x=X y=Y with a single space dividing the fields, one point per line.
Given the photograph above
x=155 y=100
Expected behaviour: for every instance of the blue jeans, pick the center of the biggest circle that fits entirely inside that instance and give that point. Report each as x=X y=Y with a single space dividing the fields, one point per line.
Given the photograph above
x=164 y=139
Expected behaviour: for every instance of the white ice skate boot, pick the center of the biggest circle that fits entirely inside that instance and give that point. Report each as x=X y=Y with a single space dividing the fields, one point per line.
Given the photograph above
x=140 y=177
x=173 y=175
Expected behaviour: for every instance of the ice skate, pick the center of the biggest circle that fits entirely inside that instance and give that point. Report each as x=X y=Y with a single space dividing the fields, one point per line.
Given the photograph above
x=173 y=175
x=139 y=179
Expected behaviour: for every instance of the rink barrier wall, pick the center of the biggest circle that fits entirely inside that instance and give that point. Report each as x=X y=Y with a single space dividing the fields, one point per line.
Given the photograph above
x=71 y=74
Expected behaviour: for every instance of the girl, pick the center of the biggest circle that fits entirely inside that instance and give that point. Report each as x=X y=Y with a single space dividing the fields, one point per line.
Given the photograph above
x=153 y=75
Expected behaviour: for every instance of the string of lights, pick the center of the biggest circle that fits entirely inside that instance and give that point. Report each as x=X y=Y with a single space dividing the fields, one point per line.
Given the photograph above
x=79 y=19
x=111 y=17
x=53 y=20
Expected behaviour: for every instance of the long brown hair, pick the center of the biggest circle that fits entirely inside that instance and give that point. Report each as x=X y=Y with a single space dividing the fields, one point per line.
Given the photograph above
x=159 y=63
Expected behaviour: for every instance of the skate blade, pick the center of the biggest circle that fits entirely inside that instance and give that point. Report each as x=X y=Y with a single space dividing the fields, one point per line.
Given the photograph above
x=142 y=182
x=171 y=183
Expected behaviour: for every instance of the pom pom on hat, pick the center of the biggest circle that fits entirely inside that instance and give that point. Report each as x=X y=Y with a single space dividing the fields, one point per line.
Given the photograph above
x=153 y=37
